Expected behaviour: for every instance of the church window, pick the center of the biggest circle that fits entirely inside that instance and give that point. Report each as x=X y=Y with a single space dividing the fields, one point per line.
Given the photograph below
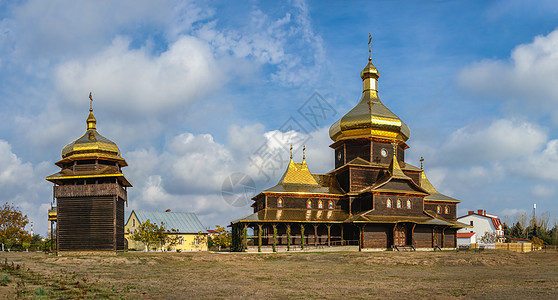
x=320 y=204
x=309 y=204
x=408 y=204
x=446 y=210
x=330 y=205
x=133 y=222
x=388 y=203
x=438 y=209
x=280 y=202
x=180 y=240
x=398 y=203
x=384 y=152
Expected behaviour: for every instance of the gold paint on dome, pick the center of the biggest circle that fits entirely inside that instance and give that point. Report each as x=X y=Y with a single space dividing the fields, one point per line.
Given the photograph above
x=370 y=117
x=91 y=145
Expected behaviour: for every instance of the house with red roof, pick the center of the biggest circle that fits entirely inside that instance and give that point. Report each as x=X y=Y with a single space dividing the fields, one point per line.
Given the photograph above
x=481 y=222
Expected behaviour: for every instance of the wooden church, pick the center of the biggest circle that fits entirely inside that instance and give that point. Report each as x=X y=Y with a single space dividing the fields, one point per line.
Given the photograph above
x=372 y=198
x=89 y=192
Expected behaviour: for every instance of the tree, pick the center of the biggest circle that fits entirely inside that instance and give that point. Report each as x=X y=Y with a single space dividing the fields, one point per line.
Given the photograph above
x=152 y=234
x=200 y=238
x=222 y=239
x=12 y=225
x=489 y=238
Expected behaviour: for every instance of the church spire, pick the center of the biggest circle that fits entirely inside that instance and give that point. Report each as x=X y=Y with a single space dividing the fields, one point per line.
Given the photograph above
x=91 y=121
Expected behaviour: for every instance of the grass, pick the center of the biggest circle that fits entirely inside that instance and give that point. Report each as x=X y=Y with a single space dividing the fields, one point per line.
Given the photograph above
x=341 y=275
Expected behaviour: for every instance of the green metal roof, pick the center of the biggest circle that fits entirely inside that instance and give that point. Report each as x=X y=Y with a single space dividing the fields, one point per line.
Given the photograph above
x=183 y=221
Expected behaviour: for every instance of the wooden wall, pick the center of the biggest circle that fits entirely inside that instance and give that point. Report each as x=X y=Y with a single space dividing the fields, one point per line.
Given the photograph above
x=377 y=236
x=382 y=209
x=87 y=224
x=423 y=236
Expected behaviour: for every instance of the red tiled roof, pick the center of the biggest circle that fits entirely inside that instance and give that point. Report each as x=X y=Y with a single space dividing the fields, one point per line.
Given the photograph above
x=496 y=223
x=465 y=234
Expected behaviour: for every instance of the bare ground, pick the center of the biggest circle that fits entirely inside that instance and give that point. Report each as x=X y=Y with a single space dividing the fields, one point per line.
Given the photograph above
x=327 y=275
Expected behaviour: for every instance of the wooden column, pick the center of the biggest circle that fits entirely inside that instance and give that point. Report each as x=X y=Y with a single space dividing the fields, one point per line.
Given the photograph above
x=288 y=237
x=360 y=234
x=274 y=237
x=245 y=238
x=301 y=236
x=259 y=237
x=342 y=237
x=413 y=235
x=328 y=235
x=315 y=235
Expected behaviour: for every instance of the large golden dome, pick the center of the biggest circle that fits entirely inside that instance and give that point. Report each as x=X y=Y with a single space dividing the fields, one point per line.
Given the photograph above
x=91 y=145
x=370 y=118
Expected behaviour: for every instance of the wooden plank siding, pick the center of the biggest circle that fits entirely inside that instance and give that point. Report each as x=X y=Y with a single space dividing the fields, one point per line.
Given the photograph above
x=422 y=237
x=88 y=223
x=87 y=190
x=377 y=236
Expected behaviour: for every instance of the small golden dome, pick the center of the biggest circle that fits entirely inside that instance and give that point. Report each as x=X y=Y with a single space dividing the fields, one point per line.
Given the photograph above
x=370 y=118
x=91 y=145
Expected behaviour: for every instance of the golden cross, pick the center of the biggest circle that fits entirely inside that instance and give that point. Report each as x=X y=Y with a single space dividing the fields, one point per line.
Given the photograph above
x=369 y=47
x=291 y=151
x=90 y=102
x=304 y=152
x=421 y=161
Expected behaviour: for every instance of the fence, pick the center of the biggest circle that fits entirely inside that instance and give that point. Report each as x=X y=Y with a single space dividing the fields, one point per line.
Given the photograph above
x=515 y=247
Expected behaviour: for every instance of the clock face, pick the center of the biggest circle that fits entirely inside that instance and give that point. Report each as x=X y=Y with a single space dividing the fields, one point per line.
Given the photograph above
x=339 y=156
x=384 y=152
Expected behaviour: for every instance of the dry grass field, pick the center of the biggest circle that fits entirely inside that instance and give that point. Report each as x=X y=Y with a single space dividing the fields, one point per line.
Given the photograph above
x=327 y=275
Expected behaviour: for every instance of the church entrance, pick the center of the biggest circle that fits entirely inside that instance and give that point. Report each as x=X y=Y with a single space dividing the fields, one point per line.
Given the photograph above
x=400 y=235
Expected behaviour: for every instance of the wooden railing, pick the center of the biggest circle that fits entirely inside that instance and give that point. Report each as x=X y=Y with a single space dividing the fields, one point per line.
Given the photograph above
x=93 y=167
x=103 y=189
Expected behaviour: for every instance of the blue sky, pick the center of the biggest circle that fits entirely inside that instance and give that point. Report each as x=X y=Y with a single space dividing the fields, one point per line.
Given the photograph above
x=191 y=90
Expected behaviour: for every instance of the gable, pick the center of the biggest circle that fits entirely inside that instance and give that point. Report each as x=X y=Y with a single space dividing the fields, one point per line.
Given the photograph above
x=400 y=186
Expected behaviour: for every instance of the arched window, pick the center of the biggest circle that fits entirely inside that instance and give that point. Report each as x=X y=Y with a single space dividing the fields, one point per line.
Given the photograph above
x=320 y=204
x=280 y=202
x=438 y=209
x=398 y=203
x=330 y=204
x=408 y=204
x=388 y=203
x=309 y=204
x=446 y=210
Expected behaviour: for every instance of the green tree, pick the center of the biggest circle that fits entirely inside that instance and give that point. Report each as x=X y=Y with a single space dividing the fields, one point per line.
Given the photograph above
x=12 y=225
x=152 y=234
x=222 y=239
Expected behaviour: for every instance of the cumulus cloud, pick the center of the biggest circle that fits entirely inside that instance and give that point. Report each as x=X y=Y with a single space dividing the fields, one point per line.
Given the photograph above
x=288 y=43
x=189 y=173
x=54 y=29
x=541 y=165
x=22 y=184
x=132 y=79
x=526 y=80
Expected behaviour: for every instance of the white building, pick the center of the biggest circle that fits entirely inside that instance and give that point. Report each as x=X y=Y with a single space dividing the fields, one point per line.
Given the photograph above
x=482 y=223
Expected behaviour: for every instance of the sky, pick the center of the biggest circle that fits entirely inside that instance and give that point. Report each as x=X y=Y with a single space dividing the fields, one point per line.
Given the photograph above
x=204 y=98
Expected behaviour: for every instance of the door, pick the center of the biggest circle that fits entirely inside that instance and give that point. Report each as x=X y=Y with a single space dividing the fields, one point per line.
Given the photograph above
x=400 y=235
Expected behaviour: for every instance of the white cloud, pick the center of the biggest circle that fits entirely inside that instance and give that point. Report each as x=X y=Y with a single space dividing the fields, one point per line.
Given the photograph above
x=189 y=173
x=541 y=165
x=526 y=81
x=543 y=190
x=131 y=79
x=23 y=184
x=502 y=139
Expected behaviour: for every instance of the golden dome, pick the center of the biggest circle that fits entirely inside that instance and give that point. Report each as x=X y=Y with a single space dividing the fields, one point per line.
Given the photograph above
x=370 y=118
x=91 y=145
